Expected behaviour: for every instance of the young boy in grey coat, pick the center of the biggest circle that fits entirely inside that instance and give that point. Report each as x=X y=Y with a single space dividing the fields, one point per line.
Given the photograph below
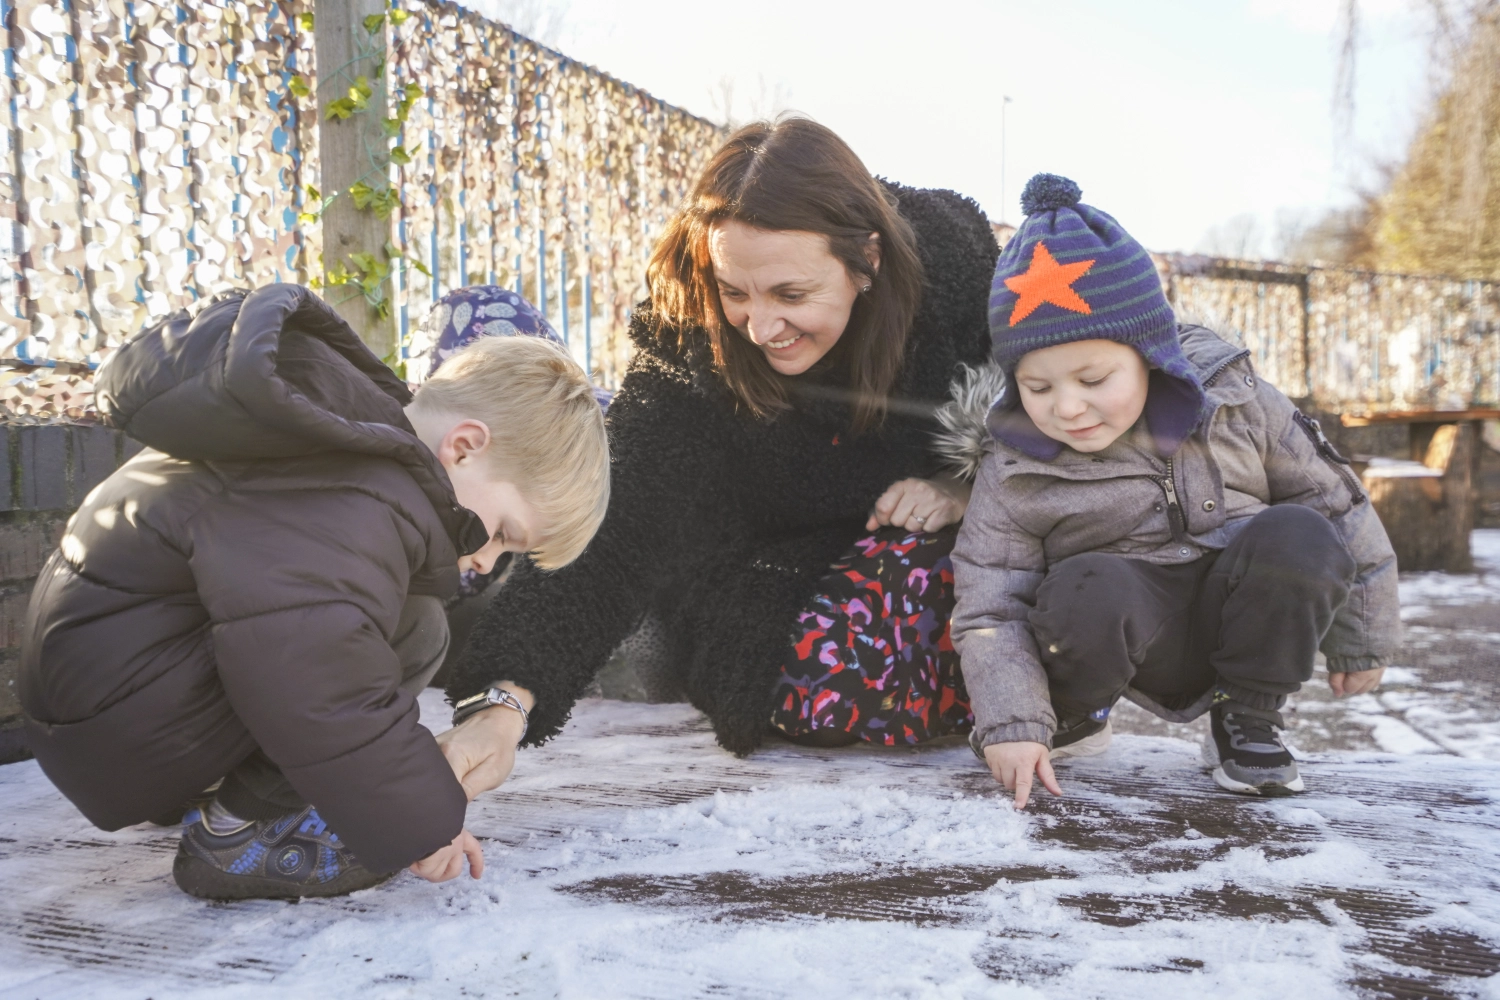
x=1151 y=519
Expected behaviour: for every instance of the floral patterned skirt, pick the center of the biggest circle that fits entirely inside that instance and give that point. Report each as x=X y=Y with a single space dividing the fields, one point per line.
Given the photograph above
x=873 y=657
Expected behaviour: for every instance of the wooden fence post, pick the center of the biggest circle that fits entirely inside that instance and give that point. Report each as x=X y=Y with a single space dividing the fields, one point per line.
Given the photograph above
x=351 y=150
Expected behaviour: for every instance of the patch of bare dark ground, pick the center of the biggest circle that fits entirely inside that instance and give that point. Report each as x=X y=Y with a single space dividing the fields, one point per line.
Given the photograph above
x=1126 y=817
x=1432 y=961
x=922 y=896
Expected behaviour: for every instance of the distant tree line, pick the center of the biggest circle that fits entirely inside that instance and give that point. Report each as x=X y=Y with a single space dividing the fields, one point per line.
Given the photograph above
x=1437 y=211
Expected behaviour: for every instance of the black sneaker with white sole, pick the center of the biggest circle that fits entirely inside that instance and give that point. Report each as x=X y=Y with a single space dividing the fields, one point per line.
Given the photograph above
x=1245 y=750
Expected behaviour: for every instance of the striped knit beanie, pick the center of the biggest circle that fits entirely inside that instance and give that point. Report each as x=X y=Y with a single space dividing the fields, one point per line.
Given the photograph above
x=1072 y=273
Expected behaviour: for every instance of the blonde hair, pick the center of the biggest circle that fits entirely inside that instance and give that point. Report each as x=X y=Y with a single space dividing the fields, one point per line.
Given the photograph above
x=546 y=432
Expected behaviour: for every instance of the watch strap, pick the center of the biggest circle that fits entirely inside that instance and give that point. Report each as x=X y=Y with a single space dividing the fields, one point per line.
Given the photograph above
x=489 y=698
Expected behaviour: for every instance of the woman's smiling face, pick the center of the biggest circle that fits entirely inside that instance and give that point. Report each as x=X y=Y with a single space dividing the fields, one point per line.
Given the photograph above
x=783 y=291
x=1084 y=394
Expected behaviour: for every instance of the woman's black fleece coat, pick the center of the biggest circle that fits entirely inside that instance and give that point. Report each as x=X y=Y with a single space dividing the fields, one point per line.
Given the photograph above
x=723 y=524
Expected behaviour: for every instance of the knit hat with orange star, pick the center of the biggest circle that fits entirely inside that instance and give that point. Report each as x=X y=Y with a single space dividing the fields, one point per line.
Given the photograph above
x=1070 y=273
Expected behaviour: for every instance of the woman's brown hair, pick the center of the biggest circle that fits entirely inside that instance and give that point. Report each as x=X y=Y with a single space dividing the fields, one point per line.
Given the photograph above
x=792 y=175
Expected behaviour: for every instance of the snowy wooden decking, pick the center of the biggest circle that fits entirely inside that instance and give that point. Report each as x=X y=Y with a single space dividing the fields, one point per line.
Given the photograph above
x=632 y=858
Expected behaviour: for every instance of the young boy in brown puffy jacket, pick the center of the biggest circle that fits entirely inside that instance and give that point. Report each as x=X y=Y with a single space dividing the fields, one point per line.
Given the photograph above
x=257 y=596
x=1151 y=519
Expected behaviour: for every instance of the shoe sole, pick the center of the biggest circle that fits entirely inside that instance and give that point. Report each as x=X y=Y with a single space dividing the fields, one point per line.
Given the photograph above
x=1089 y=746
x=1270 y=790
x=197 y=877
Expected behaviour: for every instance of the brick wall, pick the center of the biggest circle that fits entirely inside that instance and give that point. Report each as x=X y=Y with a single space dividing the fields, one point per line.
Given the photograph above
x=45 y=472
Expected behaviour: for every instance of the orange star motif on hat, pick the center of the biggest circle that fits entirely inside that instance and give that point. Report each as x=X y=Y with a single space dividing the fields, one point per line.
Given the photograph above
x=1047 y=281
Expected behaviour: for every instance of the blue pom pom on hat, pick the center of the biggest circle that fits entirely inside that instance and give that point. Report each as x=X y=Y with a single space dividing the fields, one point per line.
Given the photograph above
x=1070 y=273
x=1049 y=192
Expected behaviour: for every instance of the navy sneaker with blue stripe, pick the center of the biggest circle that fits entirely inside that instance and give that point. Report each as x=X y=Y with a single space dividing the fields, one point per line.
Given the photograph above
x=289 y=857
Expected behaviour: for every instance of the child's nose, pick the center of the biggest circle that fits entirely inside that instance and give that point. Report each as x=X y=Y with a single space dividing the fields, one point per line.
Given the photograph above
x=1070 y=406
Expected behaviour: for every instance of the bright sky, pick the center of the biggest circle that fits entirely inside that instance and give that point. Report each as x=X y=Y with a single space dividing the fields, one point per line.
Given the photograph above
x=1173 y=115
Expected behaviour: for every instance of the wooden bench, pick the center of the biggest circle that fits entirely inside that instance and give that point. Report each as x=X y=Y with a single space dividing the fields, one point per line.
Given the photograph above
x=1428 y=504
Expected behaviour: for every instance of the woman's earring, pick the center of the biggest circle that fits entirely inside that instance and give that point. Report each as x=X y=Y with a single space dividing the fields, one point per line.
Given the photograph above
x=866 y=288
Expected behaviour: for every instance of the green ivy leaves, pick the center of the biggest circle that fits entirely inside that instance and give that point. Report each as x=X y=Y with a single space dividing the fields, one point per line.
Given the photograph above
x=358 y=99
x=410 y=95
x=382 y=201
x=315 y=215
x=368 y=272
x=375 y=22
x=369 y=276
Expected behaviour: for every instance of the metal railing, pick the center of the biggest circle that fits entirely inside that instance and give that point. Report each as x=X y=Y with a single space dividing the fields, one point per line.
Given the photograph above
x=1352 y=341
x=160 y=152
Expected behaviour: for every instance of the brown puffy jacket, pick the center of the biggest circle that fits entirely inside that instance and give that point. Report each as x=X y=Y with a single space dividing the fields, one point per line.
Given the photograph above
x=236 y=584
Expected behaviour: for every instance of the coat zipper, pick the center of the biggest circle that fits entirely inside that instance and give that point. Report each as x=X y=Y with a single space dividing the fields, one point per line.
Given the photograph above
x=1213 y=376
x=1169 y=487
x=1338 y=463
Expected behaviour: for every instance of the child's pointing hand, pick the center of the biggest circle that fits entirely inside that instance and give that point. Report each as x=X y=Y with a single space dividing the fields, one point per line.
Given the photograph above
x=1354 y=681
x=1013 y=764
x=448 y=862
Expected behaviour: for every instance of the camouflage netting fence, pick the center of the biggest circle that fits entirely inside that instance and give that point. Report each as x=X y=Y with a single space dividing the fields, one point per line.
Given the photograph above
x=157 y=153
x=1352 y=341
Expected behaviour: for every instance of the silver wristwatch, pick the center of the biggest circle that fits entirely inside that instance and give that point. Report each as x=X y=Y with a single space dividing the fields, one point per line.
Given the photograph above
x=488 y=699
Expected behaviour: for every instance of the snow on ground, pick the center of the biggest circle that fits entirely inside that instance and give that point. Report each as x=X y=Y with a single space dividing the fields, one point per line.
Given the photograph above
x=1420 y=592
x=633 y=858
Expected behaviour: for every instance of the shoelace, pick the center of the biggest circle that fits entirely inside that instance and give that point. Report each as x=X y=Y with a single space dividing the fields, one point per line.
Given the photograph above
x=1254 y=729
x=314 y=825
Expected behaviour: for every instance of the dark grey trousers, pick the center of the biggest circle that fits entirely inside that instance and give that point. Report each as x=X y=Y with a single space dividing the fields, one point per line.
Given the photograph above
x=1248 y=618
x=256 y=788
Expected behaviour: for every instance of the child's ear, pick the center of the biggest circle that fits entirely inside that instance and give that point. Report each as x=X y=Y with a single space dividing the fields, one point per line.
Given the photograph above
x=465 y=439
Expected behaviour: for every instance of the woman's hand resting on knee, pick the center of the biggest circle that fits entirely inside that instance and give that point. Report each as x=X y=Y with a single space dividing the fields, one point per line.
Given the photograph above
x=1013 y=764
x=921 y=504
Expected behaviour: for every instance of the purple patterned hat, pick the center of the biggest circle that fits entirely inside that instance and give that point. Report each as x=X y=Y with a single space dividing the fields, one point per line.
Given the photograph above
x=466 y=314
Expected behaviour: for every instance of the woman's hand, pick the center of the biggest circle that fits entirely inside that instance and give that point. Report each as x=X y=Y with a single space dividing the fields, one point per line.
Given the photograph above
x=921 y=504
x=1013 y=764
x=448 y=862
x=482 y=749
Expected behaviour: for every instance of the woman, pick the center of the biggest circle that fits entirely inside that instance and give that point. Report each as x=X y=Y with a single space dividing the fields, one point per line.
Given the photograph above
x=776 y=499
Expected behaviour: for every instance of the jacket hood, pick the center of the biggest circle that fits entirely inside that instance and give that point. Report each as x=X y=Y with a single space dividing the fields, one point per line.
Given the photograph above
x=272 y=373
x=1177 y=403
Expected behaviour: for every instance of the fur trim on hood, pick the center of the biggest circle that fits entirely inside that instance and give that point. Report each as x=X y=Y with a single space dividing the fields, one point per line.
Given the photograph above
x=960 y=444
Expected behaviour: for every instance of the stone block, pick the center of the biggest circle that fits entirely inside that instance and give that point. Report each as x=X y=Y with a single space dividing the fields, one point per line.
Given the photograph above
x=13 y=602
x=10 y=698
x=7 y=482
x=94 y=456
x=26 y=543
x=44 y=468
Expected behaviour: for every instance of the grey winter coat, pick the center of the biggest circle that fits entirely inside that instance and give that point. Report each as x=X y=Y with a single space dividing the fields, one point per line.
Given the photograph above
x=1026 y=515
